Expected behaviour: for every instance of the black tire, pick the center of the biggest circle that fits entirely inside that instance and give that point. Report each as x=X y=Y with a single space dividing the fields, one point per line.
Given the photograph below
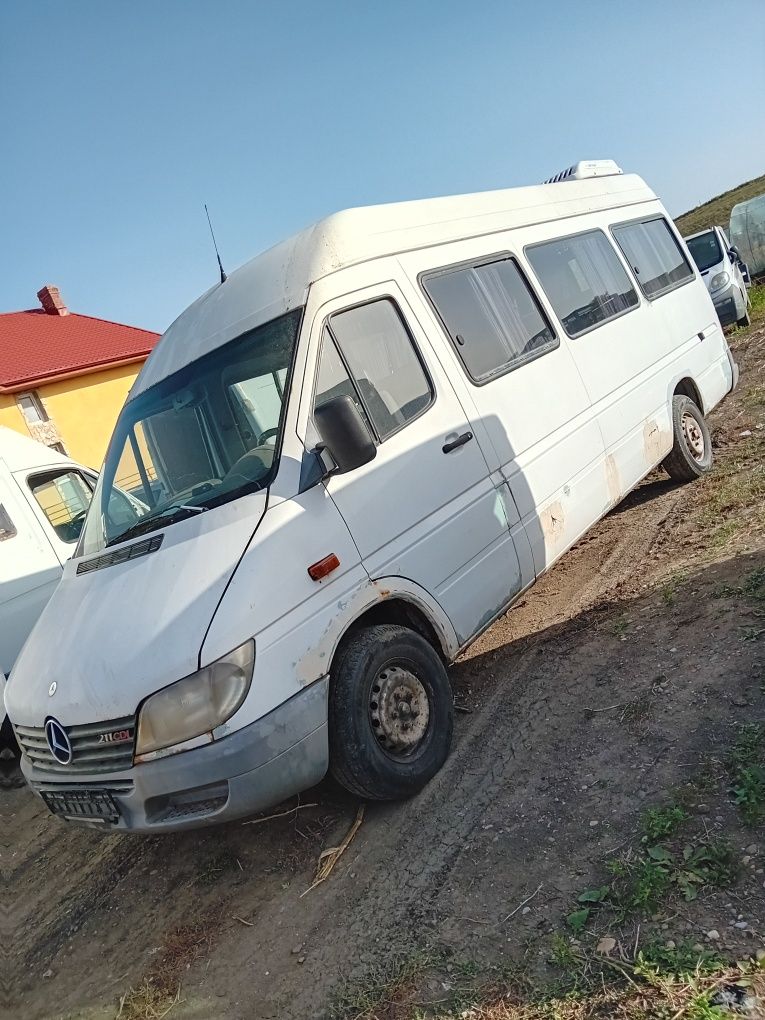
x=745 y=320
x=362 y=758
x=691 y=455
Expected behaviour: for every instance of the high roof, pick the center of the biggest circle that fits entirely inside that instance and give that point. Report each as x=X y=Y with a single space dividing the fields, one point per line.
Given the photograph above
x=278 y=280
x=43 y=344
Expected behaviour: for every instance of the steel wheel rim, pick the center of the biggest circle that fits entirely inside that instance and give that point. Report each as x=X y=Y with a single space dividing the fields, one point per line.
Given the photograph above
x=399 y=711
x=694 y=437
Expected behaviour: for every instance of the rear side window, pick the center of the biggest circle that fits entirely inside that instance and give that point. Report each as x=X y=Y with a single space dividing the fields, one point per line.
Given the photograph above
x=7 y=529
x=652 y=251
x=372 y=358
x=491 y=316
x=584 y=280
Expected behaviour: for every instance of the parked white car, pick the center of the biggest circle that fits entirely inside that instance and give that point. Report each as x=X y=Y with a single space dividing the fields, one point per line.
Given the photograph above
x=43 y=500
x=724 y=274
x=353 y=455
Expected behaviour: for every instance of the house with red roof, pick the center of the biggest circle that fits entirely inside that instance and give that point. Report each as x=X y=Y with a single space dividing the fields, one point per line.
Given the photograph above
x=64 y=376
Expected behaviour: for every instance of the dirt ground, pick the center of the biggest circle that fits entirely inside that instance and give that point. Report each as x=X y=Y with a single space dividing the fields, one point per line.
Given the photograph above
x=618 y=683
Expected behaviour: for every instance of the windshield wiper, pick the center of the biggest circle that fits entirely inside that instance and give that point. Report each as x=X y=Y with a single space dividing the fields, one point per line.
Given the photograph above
x=168 y=515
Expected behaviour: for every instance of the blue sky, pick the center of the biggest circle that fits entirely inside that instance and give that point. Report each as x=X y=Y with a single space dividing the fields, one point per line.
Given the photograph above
x=120 y=119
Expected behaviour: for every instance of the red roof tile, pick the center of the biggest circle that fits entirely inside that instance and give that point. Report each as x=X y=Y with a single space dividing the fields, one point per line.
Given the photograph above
x=36 y=347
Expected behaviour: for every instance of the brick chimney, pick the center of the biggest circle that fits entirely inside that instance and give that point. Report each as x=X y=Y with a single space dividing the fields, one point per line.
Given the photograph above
x=51 y=300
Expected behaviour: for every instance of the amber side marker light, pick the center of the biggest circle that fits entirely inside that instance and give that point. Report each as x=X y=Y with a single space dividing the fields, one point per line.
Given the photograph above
x=323 y=567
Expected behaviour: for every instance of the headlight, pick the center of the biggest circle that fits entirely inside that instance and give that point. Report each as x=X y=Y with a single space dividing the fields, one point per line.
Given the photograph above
x=718 y=281
x=194 y=706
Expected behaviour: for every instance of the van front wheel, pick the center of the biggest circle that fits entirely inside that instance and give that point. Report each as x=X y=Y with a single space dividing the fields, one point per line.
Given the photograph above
x=390 y=713
x=691 y=454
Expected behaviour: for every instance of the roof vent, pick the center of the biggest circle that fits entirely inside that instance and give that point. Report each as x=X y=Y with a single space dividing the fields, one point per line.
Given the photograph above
x=585 y=169
x=51 y=300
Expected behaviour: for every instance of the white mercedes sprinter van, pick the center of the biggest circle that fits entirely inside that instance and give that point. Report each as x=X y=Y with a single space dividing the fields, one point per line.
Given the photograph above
x=354 y=454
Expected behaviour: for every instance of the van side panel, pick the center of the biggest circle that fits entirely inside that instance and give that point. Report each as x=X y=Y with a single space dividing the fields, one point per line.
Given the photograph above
x=535 y=422
x=29 y=572
x=297 y=622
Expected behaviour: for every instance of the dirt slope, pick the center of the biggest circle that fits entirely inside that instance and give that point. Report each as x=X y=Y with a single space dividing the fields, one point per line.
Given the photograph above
x=590 y=698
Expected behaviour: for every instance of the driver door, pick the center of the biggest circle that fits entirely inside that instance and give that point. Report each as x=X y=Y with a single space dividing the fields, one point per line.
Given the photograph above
x=59 y=498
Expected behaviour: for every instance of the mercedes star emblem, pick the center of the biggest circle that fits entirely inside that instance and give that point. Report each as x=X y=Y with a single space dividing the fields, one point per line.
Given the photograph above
x=52 y=689
x=58 y=742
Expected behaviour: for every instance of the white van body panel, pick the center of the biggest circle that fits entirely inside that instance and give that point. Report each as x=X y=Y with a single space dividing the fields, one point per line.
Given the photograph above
x=156 y=637
x=451 y=533
x=31 y=560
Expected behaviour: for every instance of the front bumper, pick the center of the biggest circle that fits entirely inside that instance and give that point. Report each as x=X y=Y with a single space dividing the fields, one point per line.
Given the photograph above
x=726 y=308
x=252 y=769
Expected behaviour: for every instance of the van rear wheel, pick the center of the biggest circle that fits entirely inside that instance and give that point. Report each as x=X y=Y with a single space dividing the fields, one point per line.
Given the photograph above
x=691 y=455
x=390 y=713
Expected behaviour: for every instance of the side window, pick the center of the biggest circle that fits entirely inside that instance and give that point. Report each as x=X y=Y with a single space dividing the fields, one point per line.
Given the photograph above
x=584 y=280
x=7 y=529
x=64 y=498
x=656 y=259
x=491 y=316
x=375 y=356
x=333 y=379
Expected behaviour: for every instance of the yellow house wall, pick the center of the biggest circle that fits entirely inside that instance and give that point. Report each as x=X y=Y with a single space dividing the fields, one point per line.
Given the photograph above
x=83 y=409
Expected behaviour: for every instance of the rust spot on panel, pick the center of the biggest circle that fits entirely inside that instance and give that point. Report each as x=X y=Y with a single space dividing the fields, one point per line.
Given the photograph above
x=553 y=524
x=653 y=443
x=613 y=481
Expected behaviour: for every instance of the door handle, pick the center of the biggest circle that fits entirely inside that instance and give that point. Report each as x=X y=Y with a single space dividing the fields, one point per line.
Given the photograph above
x=453 y=444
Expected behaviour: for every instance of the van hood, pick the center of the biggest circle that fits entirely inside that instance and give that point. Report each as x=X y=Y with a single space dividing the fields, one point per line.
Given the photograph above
x=114 y=635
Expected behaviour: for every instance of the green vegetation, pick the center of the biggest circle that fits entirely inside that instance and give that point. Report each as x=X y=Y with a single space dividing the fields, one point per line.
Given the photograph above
x=716 y=212
x=642 y=881
x=747 y=765
x=757 y=310
x=620 y=625
x=661 y=823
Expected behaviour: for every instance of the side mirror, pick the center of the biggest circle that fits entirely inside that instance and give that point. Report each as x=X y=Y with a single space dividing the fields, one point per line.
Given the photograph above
x=344 y=435
x=733 y=254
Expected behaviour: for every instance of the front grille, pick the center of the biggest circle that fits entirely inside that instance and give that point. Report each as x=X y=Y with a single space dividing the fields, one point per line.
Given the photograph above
x=90 y=752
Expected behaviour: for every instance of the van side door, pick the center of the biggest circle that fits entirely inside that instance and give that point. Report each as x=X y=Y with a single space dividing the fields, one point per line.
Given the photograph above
x=425 y=507
x=522 y=386
x=59 y=498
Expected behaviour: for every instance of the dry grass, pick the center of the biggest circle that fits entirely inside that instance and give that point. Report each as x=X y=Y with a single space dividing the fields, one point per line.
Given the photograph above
x=649 y=997
x=717 y=210
x=609 y=989
x=160 y=989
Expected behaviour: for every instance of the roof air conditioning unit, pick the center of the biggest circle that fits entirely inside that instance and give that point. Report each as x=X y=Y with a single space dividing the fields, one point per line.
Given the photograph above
x=585 y=169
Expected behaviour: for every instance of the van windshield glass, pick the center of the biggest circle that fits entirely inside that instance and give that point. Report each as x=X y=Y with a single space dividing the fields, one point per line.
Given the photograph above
x=705 y=250
x=203 y=436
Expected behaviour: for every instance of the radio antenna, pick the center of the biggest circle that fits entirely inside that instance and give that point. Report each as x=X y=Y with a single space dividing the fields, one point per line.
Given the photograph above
x=223 y=276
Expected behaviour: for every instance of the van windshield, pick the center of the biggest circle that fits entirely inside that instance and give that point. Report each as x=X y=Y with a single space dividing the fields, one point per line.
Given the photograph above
x=203 y=436
x=705 y=250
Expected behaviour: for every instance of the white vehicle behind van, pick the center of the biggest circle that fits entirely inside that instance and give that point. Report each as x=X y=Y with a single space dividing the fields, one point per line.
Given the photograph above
x=352 y=456
x=43 y=500
x=724 y=274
